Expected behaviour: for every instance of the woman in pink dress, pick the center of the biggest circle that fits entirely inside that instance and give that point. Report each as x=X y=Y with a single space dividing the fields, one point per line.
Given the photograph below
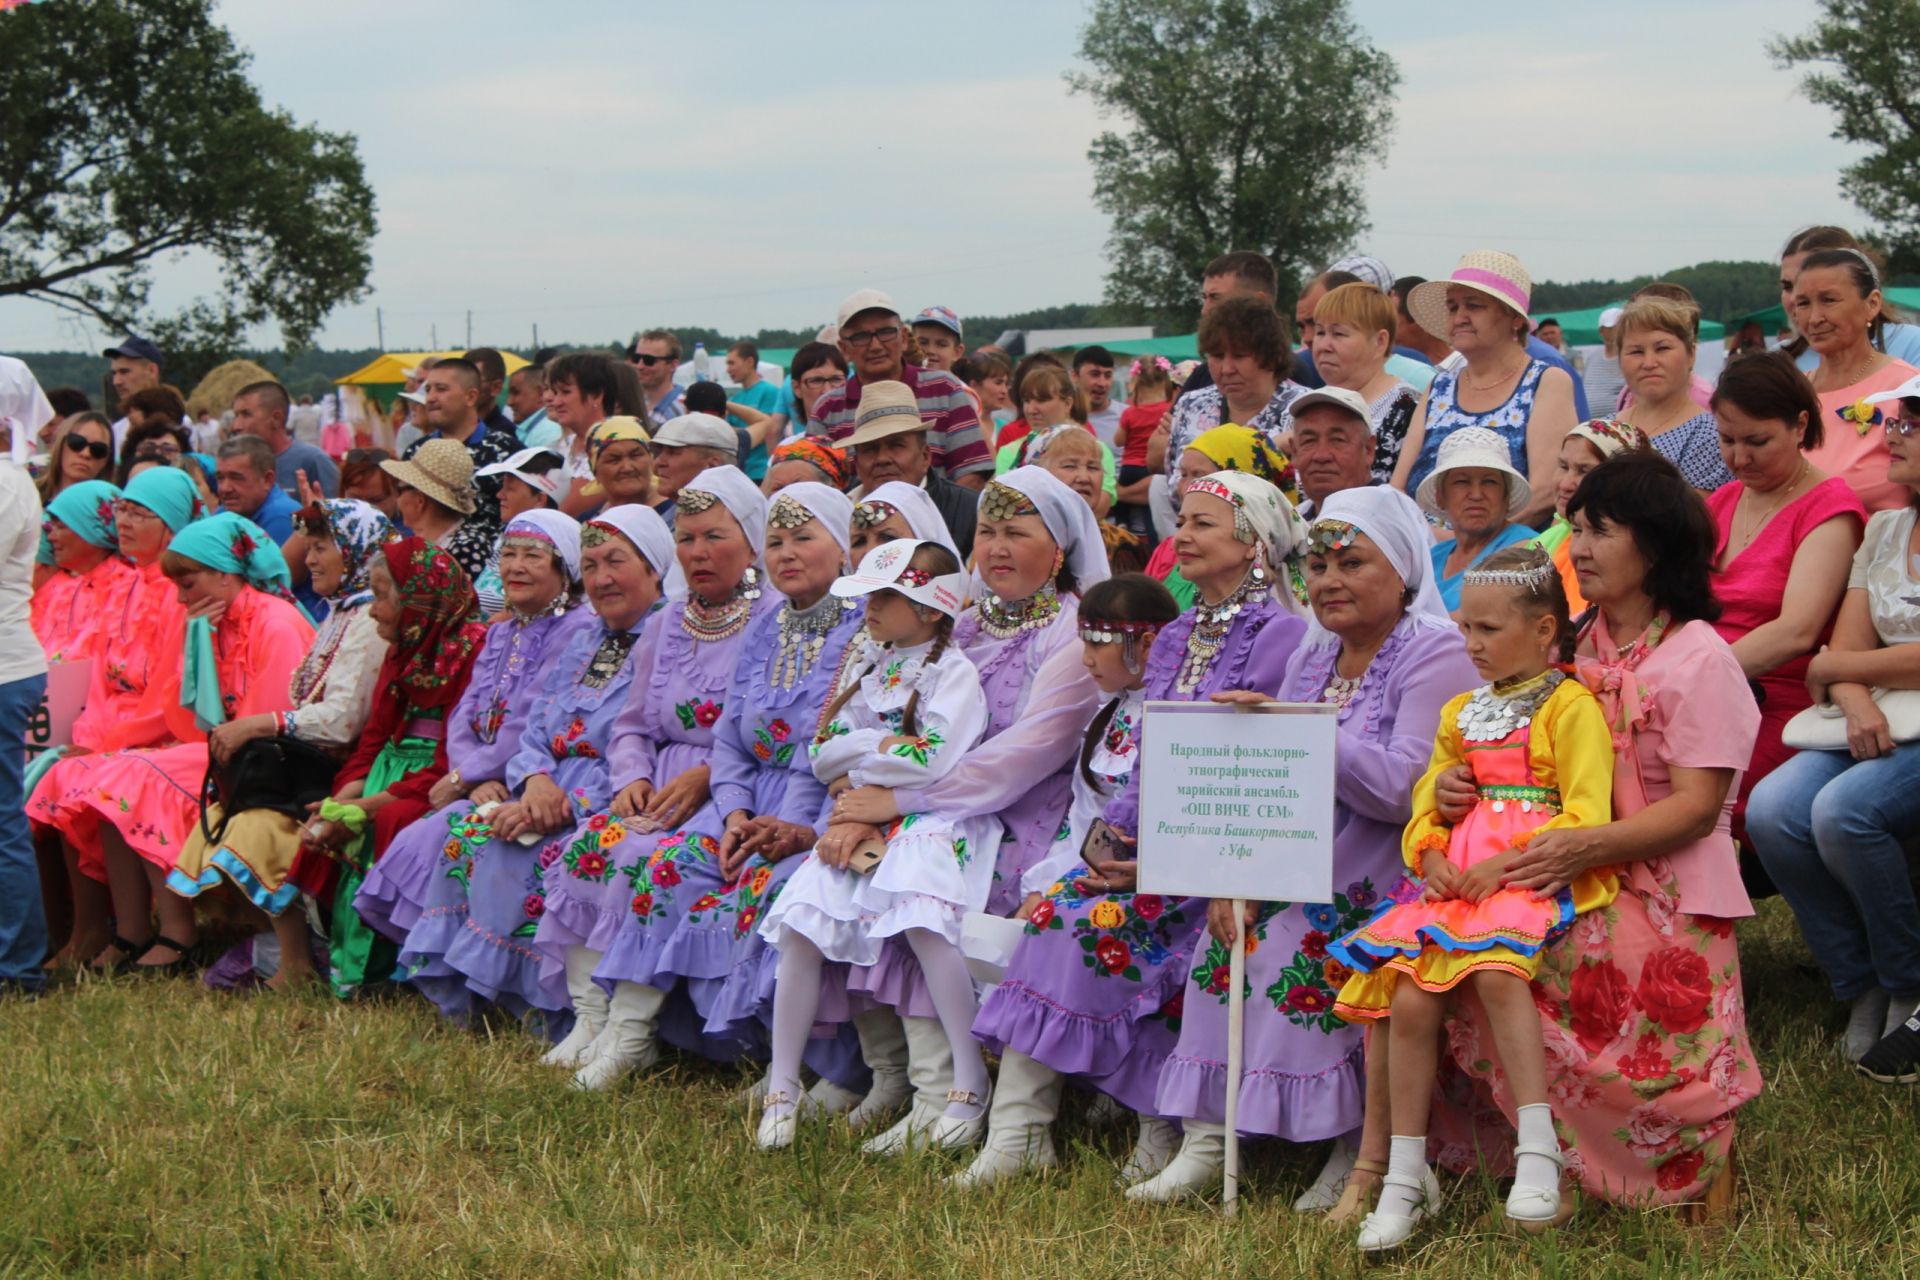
x=88 y=576
x=156 y=504
x=1836 y=306
x=1640 y=1005
x=241 y=641
x=1785 y=534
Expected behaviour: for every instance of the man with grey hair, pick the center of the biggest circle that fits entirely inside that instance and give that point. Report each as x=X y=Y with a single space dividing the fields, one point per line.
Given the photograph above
x=260 y=410
x=244 y=478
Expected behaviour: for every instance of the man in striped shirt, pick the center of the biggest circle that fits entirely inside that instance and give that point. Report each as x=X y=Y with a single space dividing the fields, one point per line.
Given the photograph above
x=874 y=341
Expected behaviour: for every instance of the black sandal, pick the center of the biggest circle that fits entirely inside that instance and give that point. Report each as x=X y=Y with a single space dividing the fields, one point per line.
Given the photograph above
x=129 y=952
x=186 y=958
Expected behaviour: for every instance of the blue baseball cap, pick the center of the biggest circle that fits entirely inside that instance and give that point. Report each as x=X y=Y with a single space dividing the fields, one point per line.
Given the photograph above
x=135 y=348
x=942 y=316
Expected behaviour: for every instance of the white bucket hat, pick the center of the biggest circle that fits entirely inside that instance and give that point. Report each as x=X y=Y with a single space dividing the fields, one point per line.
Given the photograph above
x=1498 y=275
x=888 y=568
x=1474 y=447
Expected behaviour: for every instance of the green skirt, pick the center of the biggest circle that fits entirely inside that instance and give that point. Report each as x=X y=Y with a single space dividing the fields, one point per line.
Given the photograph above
x=359 y=957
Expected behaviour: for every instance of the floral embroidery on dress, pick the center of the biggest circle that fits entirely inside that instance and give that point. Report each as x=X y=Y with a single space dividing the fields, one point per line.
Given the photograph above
x=829 y=731
x=1117 y=933
x=659 y=871
x=1304 y=990
x=922 y=748
x=572 y=744
x=467 y=833
x=586 y=857
x=770 y=745
x=744 y=898
x=703 y=714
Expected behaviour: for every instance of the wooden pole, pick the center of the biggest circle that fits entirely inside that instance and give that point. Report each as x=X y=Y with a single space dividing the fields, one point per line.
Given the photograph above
x=1236 y=1032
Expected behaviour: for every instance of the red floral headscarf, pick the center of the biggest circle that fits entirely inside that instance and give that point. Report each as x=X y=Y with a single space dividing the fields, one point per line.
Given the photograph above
x=440 y=628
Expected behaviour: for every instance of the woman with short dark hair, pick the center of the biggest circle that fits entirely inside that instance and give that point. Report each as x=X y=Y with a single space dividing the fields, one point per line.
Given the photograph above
x=1245 y=344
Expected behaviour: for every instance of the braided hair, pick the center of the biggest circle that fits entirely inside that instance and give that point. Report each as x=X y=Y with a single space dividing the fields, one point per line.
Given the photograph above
x=936 y=560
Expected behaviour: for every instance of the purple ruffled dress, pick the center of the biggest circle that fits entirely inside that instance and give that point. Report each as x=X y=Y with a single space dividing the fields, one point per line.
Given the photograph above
x=1304 y=1072
x=482 y=734
x=665 y=728
x=474 y=939
x=1039 y=702
x=1095 y=988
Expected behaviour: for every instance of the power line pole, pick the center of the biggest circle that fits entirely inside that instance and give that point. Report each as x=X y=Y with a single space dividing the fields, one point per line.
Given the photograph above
x=469 y=330
x=380 y=322
x=434 y=331
x=536 y=338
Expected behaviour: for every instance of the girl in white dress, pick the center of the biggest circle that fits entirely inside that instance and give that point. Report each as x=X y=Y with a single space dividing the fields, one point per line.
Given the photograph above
x=915 y=708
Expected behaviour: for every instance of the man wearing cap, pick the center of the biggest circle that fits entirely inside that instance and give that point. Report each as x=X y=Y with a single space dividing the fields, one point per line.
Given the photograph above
x=655 y=356
x=874 y=342
x=135 y=367
x=889 y=442
x=682 y=449
x=452 y=397
x=527 y=401
x=1475 y=489
x=1602 y=379
x=1332 y=445
x=758 y=394
x=261 y=410
x=244 y=478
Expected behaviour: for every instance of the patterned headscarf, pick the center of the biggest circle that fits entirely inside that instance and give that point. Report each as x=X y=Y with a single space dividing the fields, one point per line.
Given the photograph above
x=1609 y=436
x=829 y=461
x=611 y=431
x=359 y=529
x=1232 y=447
x=87 y=509
x=440 y=628
x=1264 y=517
x=553 y=530
x=172 y=495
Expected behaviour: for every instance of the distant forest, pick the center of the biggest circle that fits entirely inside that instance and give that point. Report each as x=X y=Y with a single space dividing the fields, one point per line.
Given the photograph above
x=1725 y=290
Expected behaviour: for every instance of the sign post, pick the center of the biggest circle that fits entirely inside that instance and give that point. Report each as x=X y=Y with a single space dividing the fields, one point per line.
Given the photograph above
x=1237 y=803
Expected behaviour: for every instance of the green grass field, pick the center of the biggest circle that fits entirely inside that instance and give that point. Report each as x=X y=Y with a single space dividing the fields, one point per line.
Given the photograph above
x=152 y=1127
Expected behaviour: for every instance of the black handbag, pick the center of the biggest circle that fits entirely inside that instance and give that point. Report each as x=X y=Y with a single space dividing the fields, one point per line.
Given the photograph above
x=280 y=773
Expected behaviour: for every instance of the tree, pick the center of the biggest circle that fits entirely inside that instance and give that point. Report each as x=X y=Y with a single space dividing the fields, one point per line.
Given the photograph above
x=1872 y=48
x=1251 y=123
x=129 y=133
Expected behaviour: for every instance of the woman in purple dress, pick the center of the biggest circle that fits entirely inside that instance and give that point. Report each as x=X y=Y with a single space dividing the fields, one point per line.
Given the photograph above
x=496 y=858
x=613 y=876
x=1385 y=652
x=764 y=794
x=1036 y=547
x=484 y=730
x=1093 y=990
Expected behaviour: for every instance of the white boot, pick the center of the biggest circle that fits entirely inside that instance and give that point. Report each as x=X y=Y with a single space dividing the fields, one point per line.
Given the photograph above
x=1194 y=1169
x=830 y=1099
x=884 y=1046
x=1026 y=1101
x=589 y=1010
x=1157 y=1142
x=1326 y=1189
x=780 y=1120
x=627 y=1044
x=930 y=1068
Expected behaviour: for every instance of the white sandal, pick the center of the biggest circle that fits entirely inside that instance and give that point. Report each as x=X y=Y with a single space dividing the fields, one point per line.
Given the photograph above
x=1380 y=1232
x=1536 y=1208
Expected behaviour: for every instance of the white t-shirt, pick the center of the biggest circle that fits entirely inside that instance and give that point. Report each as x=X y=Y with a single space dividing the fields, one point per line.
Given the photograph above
x=1106 y=423
x=21 y=656
x=1880 y=568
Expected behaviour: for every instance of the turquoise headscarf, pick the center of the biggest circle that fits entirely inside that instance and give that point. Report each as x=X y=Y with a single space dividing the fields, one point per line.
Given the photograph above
x=225 y=543
x=87 y=509
x=169 y=494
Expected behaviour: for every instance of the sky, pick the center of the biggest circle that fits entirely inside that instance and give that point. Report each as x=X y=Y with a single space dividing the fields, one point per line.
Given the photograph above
x=594 y=167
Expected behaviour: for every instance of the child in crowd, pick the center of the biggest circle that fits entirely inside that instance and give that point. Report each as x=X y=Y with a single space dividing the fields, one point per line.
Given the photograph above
x=915 y=708
x=1149 y=396
x=1541 y=756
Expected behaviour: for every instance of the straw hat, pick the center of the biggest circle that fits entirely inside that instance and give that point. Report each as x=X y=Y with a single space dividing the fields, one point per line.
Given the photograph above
x=886 y=409
x=1474 y=447
x=1498 y=275
x=441 y=469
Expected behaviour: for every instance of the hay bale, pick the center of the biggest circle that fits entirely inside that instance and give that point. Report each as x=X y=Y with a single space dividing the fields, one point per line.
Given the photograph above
x=216 y=391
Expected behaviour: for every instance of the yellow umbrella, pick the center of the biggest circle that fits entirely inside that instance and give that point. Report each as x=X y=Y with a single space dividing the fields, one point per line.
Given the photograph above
x=390 y=370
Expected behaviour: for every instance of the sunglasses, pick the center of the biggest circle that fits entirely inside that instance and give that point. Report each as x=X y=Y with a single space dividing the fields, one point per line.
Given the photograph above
x=650 y=361
x=77 y=443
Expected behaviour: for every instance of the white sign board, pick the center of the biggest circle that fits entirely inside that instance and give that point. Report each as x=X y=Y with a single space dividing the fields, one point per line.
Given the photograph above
x=51 y=724
x=1237 y=802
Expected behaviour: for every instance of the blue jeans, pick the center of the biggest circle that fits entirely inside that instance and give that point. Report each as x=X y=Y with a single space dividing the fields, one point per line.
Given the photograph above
x=23 y=921
x=1829 y=830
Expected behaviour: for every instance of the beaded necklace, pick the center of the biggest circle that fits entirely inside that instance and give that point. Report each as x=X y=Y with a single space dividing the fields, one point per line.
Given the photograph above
x=709 y=622
x=803 y=634
x=310 y=678
x=1211 y=622
x=1004 y=621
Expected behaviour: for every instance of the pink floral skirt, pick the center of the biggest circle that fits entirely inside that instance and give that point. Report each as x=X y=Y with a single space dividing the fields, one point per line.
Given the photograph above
x=1647 y=1051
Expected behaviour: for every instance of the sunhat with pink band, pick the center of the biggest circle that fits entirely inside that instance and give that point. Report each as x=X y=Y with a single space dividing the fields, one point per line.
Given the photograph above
x=1498 y=275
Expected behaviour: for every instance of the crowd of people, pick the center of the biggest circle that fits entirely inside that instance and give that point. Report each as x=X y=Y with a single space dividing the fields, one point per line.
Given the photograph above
x=717 y=718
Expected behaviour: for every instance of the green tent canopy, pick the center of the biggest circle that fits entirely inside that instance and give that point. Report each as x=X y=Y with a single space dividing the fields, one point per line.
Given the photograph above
x=1582 y=328
x=1178 y=347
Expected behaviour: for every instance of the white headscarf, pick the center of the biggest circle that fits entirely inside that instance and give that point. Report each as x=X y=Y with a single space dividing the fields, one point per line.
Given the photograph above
x=1068 y=518
x=1277 y=525
x=642 y=526
x=827 y=504
x=740 y=496
x=555 y=527
x=913 y=502
x=1394 y=524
